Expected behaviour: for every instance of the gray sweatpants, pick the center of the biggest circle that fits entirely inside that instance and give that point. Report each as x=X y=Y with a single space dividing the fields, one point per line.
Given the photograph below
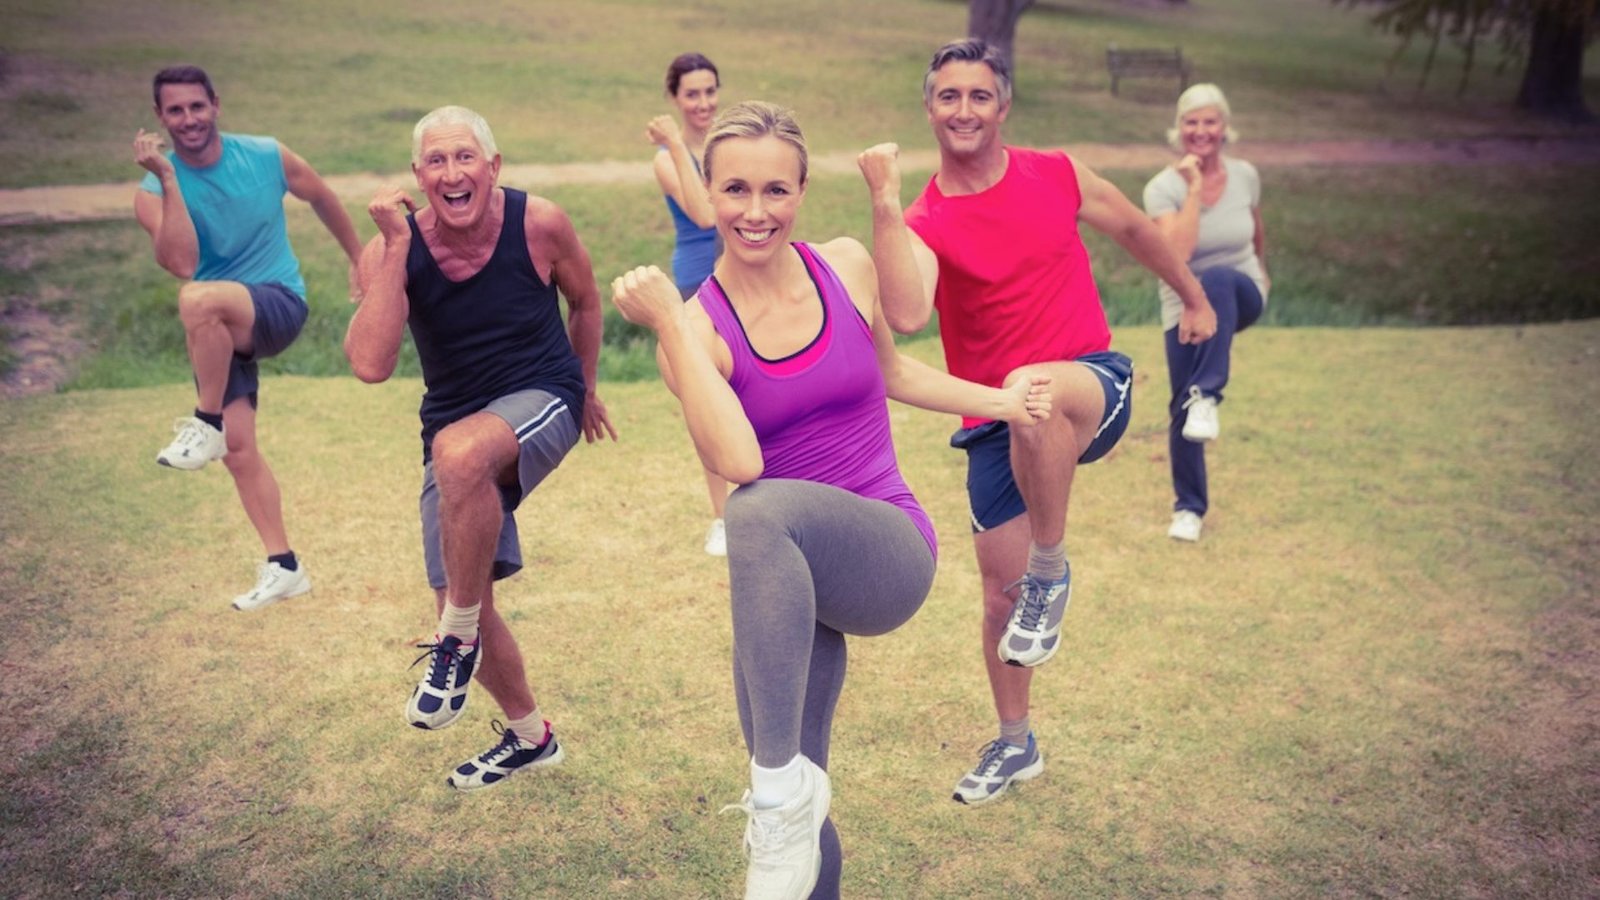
x=809 y=563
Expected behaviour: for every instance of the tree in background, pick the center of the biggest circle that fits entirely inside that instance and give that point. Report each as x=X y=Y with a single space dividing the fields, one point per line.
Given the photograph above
x=1550 y=35
x=995 y=22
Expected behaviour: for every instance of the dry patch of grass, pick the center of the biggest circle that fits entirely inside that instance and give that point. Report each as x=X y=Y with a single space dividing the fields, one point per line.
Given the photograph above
x=1374 y=676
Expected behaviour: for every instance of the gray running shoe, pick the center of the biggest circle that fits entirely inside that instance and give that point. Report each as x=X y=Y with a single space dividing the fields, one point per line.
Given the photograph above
x=1034 y=633
x=999 y=764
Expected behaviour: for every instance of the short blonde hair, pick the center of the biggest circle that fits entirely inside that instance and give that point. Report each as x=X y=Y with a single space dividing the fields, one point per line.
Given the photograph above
x=1197 y=97
x=754 y=119
x=453 y=115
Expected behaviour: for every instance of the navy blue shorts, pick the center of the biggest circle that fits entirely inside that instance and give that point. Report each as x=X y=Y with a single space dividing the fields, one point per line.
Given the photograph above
x=992 y=494
x=280 y=314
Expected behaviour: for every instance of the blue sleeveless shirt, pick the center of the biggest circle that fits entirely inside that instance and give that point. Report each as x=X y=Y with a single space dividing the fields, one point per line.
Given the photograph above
x=236 y=205
x=695 y=253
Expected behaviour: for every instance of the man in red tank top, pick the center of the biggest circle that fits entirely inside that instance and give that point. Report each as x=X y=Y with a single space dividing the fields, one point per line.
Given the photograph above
x=993 y=244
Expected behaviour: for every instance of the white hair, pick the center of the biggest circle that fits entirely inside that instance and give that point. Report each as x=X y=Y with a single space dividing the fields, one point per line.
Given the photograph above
x=452 y=115
x=1197 y=97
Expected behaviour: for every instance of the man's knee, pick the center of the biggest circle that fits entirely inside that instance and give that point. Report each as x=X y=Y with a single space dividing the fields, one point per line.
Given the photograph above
x=460 y=458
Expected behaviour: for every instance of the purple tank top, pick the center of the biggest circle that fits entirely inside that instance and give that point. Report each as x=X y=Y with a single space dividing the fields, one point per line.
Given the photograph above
x=820 y=414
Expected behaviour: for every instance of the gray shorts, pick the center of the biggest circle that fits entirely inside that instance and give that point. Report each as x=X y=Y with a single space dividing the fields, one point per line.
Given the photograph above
x=545 y=432
x=280 y=314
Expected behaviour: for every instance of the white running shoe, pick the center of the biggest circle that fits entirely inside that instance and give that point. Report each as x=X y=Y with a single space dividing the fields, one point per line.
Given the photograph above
x=441 y=696
x=784 y=844
x=1202 y=424
x=196 y=444
x=274 y=583
x=717 y=538
x=1185 y=526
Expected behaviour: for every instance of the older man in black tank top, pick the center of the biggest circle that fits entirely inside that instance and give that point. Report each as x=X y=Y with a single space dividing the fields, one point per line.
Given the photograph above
x=476 y=275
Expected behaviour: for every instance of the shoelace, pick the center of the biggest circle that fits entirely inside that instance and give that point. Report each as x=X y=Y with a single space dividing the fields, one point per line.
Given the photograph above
x=758 y=834
x=990 y=758
x=1195 y=396
x=445 y=656
x=189 y=434
x=507 y=746
x=1032 y=592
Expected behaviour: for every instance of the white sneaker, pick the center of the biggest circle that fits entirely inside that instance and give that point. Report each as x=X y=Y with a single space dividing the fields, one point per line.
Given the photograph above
x=784 y=844
x=1202 y=424
x=717 y=538
x=1185 y=526
x=274 y=583
x=196 y=444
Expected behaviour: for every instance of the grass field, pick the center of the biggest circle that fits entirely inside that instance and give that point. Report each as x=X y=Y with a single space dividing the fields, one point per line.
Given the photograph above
x=1373 y=678
x=1376 y=677
x=343 y=82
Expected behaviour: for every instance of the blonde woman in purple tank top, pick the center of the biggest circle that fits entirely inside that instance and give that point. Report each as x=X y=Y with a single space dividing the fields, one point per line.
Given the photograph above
x=782 y=364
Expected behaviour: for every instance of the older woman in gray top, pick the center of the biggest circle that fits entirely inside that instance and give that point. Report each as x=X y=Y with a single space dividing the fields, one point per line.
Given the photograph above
x=1209 y=207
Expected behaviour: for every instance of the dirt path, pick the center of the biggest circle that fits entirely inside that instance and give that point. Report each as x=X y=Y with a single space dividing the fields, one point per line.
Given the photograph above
x=90 y=202
x=46 y=349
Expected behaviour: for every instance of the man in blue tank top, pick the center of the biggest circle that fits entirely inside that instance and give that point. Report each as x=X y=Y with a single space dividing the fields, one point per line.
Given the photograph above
x=214 y=211
x=476 y=275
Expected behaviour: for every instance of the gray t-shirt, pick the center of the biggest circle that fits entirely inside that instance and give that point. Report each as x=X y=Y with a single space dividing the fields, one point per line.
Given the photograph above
x=1227 y=230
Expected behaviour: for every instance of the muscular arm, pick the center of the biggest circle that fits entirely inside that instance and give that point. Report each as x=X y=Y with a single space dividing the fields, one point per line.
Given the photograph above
x=305 y=184
x=913 y=382
x=551 y=235
x=166 y=216
x=907 y=271
x=372 y=342
x=1108 y=211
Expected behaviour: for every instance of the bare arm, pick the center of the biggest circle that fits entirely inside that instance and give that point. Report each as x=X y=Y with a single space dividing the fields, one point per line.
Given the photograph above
x=907 y=271
x=676 y=174
x=305 y=184
x=573 y=275
x=1182 y=228
x=1108 y=211
x=372 y=342
x=723 y=436
x=165 y=217
x=915 y=383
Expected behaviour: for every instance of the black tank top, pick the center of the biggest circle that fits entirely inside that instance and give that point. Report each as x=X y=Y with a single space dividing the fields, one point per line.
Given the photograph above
x=497 y=332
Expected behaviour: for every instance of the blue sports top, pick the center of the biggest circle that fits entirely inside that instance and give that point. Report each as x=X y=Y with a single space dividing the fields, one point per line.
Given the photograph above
x=497 y=332
x=695 y=252
x=236 y=205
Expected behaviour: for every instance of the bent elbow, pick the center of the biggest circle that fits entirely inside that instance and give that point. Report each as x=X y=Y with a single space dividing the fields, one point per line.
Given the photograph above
x=369 y=371
x=904 y=323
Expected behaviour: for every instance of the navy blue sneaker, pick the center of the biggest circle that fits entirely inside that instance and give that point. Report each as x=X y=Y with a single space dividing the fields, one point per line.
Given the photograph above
x=441 y=695
x=1034 y=633
x=503 y=760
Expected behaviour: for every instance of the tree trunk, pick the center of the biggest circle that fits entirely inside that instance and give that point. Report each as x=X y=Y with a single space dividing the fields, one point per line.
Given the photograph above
x=1552 y=85
x=995 y=22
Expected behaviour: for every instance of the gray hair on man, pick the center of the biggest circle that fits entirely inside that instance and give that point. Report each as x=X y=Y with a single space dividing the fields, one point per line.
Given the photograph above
x=452 y=115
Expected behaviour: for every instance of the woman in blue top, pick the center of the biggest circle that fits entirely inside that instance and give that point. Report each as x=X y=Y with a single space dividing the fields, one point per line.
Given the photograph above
x=692 y=83
x=1209 y=207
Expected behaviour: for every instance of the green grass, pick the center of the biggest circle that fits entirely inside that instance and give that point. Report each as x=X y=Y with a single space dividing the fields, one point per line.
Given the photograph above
x=1348 y=246
x=1373 y=677
x=342 y=83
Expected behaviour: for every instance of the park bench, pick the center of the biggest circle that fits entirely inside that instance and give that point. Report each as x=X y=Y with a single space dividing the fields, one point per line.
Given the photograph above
x=1146 y=61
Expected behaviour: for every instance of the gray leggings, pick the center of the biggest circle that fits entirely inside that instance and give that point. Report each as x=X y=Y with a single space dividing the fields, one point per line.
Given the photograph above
x=809 y=563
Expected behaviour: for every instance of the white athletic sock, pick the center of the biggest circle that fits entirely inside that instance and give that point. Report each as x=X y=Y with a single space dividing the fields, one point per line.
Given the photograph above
x=1049 y=563
x=461 y=621
x=532 y=728
x=771 y=788
x=1014 y=732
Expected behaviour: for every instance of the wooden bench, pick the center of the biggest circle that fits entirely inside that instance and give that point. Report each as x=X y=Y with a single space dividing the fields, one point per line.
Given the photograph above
x=1147 y=61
